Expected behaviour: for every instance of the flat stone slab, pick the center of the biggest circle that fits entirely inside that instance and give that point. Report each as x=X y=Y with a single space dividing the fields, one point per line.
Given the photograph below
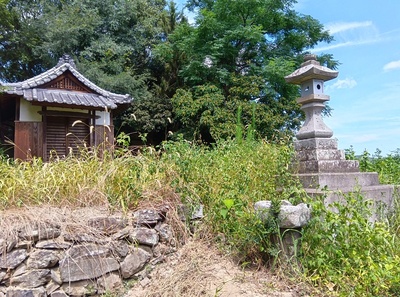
x=336 y=181
x=72 y=270
x=12 y=259
x=328 y=166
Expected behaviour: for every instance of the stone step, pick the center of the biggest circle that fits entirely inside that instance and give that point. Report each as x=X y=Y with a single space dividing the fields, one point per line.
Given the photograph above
x=328 y=166
x=378 y=194
x=313 y=155
x=336 y=181
x=316 y=143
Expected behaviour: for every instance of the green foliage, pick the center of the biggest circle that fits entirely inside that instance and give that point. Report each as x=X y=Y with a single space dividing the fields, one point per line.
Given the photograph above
x=185 y=78
x=111 y=42
x=346 y=254
x=227 y=180
x=388 y=167
x=238 y=53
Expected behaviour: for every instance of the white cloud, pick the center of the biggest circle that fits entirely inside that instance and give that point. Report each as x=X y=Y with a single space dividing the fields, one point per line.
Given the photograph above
x=334 y=28
x=351 y=34
x=392 y=65
x=347 y=83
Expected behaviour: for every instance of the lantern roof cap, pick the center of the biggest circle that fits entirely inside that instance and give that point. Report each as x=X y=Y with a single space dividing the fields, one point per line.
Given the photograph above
x=311 y=69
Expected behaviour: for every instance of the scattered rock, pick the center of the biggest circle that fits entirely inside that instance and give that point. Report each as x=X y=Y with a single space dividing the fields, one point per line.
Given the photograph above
x=109 y=283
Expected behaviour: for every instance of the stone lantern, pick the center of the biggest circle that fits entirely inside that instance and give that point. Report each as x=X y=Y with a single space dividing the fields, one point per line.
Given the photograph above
x=311 y=77
x=321 y=165
x=316 y=150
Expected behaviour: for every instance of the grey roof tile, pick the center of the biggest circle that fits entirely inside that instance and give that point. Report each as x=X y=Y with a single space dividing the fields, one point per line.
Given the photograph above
x=99 y=98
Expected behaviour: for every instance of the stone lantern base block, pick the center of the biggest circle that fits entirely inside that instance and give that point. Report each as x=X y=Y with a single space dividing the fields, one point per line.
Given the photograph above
x=381 y=196
x=320 y=155
x=328 y=166
x=338 y=181
x=316 y=143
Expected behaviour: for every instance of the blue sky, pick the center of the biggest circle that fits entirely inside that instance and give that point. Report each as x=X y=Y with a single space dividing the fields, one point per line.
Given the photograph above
x=366 y=95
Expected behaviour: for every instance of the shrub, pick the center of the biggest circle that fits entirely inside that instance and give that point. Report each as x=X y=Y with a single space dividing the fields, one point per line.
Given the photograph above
x=348 y=255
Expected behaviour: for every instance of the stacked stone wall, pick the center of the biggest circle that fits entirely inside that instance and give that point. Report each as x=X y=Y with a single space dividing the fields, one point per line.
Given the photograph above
x=56 y=259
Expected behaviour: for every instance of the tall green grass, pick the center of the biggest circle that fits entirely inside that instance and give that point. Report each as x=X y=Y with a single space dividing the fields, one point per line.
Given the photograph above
x=226 y=179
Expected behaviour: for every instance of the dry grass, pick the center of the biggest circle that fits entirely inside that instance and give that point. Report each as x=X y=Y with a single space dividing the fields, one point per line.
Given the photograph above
x=200 y=269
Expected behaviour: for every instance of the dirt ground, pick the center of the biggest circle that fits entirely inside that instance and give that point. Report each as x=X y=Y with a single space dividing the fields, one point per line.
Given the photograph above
x=199 y=269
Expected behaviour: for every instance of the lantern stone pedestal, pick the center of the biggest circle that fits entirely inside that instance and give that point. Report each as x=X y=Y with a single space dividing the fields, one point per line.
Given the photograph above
x=322 y=167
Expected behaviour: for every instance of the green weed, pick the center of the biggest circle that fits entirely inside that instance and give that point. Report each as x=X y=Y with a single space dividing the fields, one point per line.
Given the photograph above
x=346 y=254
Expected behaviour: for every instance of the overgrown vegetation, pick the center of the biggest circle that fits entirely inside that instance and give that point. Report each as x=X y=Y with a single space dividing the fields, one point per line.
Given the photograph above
x=388 y=167
x=343 y=253
x=227 y=179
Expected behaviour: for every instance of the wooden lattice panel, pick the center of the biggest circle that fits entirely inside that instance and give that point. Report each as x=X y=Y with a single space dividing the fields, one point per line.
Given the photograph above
x=66 y=83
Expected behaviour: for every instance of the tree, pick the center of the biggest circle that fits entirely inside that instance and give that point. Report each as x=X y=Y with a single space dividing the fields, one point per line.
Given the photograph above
x=111 y=42
x=19 y=37
x=237 y=54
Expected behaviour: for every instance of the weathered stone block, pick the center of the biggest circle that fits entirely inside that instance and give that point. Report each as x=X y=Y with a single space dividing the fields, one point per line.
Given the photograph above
x=147 y=217
x=83 y=237
x=290 y=216
x=55 y=275
x=37 y=232
x=51 y=287
x=121 y=248
x=91 y=267
x=58 y=293
x=165 y=232
x=316 y=143
x=31 y=279
x=18 y=292
x=53 y=244
x=144 y=236
x=294 y=216
x=107 y=225
x=134 y=262
x=88 y=249
x=81 y=288
x=43 y=259
x=13 y=259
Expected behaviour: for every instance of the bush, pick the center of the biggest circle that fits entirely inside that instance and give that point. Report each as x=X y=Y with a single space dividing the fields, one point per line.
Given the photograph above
x=348 y=255
x=227 y=179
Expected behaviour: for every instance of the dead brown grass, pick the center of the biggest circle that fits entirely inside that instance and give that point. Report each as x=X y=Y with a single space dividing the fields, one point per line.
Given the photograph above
x=200 y=269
